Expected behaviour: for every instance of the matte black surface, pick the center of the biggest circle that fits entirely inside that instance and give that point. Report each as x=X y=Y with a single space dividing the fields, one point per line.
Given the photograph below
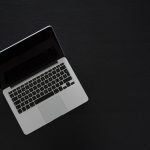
x=107 y=43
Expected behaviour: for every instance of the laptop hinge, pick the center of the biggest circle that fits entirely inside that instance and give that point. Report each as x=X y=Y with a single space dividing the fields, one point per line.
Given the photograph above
x=28 y=76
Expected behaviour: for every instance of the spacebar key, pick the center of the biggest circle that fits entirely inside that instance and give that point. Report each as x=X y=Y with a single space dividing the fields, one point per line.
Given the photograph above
x=44 y=97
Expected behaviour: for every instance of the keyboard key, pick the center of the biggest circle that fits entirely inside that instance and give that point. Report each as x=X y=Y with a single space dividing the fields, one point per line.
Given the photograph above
x=15 y=93
x=26 y=102
x=27 y=106
x=27 y=87
x=23 y=89
x=27 y=91
x=38 y=95
x=30 y=81
x=34 y=97
x=53 y=87
x=42 y=75
x=57 y=80
x=50 y=74
x=45 y=86
x=42 y=83
x=46 y=81
x=38 y=85
x=61 y=83
x=64 y=87
x=66 y=71
x=42 y=78
x=30 y=94
x=18 y=88
x=23 y=94
x=10 y=92
x=35 y=87
x=46 y=76
x=60 y=88
x=67 y=79
x=41 y=88
x=54 y=77
x=49 y=89
x=30 y=89
x=14 y=99
x=58 y=75
x=31 y=84
x=39 y=80
x=53 y=82
x=32 y=104
x=72 y=83
x=26 y=97
x=61 y=78
x=14 y=90
x=54 y=68
x=17 y=102
x=37 y=91
x=34 y=79
x=22 y=104
x=42 y=93
x=22 y=99
x=34 y=93
x=62 y=67
x=61 y=72
x=19 y=96
x=50 y=79
x=56 y=91
x=49 y=84
x=44 y=97
x=19 y=91
x=25 y=83
x=38 y=77
x=64 y=76
x=18 y=106
x=23 y=108
x=19 y=111
x=34 y=82
x=57 y=69
x=11 y=95
x=30 y=99
x=57 y=84
x=53 y=72
x=68 y=84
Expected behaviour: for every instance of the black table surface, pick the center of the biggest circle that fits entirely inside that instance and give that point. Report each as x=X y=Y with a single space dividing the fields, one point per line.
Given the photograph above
x=107 y=43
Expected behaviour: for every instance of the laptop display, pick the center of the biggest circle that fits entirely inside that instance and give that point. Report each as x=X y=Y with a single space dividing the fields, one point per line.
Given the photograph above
x=28 y=57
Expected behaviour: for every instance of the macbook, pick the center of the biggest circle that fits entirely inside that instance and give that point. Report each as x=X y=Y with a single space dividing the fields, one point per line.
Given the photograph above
x=37 y=80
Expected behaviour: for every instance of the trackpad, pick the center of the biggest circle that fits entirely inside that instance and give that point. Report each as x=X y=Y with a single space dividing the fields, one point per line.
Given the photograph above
x=52 y=109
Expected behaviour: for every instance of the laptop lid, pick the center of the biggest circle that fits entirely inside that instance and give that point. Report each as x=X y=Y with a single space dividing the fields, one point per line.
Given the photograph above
x=28 y=57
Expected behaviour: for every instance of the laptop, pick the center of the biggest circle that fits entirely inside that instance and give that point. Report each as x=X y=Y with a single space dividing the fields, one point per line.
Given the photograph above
x=37 y=80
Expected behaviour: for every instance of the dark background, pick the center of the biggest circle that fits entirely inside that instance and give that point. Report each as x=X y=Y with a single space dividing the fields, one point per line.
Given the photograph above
x=107 y=43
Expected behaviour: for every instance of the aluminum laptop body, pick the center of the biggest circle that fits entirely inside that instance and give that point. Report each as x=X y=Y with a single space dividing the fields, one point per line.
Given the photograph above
x=37 y=80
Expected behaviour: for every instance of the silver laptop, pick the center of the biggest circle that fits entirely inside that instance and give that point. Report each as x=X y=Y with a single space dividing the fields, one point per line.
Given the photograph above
x=38 y=81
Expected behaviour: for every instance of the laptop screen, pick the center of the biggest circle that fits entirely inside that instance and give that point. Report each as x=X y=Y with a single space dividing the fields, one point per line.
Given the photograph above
x=28 y=57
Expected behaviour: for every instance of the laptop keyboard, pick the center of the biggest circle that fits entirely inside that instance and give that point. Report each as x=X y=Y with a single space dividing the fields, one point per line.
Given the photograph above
x=41 y=87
